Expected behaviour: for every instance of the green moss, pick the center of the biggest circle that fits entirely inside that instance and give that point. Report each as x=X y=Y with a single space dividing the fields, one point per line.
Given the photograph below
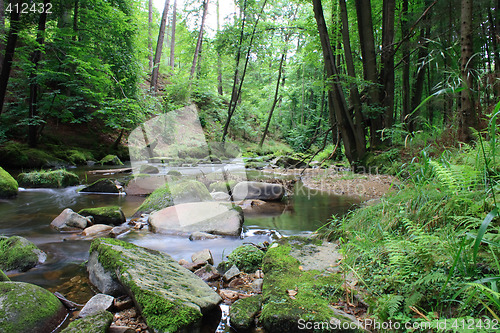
x=174 y=173
x=42 y=178
x=105 y=215
x=18 y=253
x=159 y=199
x=76 y=156
x=243 y=312
x=247 y=258
x=222 y=186
x=17 y=155
x=110 y=160
x=28 y=308
x=3 y=278
x=98 y=323
x=8 y=185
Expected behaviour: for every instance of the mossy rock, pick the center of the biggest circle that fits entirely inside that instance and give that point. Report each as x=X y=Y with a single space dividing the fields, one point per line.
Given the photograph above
x=242 y=312
x=105 y=215
x=26 y=307
x=169 y=296
x=111 y=160
x=18 y=253
x=148 y=169
x=174 y=173
x=79 y=157
x=3 y=277
x=97 y=323
x=104 y=185
x=222 y=186
x=247 y=258
x=313 y=293
x=51 y=179
x=8 y=185
x=17 y=155
x=177 y=193
x=193 y=152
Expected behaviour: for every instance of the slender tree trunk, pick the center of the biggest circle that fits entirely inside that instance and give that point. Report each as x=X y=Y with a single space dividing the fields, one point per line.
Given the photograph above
x=200 y=40
x=418 y=87
x=172 y=39
x=35 y=59
x=405 y=49
x=276 y=92
x=75 y=19
x=495 y=54
x=219 y=61
x=339 y=114
x=2 y=31
x=353 y=88
x=15 y=26
x=150 y=34
x=159 y=48
x=467 y=114
x=367 y=43
x=387 y=60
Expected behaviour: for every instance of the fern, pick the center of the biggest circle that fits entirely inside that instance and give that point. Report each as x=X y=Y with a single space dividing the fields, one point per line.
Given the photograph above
x=388 y=305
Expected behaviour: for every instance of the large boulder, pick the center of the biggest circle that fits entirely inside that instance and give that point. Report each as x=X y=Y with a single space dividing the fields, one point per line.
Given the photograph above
x=148 y=169
x=26 y=307
x=97 y=323
x=177 y=193
x=8 y=185
x=211 y=217
x=258 y=190
x=105 y=215
x=102 y=186
x=111 y=160
x=68 y=220
x=51 y=179
x=170 y=297
x=18 y=253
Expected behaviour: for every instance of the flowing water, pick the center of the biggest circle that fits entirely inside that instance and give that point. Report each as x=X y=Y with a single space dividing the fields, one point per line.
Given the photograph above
x=30 y=213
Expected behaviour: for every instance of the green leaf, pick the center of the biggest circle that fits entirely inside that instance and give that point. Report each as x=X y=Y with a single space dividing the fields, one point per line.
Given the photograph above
x=482 y=230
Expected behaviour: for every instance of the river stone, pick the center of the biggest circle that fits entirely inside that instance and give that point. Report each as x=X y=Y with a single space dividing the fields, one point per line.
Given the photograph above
x=18 y=253
x=101 y=230
x=26 y=307
x=111 y=160
x=97 y=323
x=105 y=215
x=169 y=296
x=198 y=235
x=258 y=190
x=207 y=273
x=119 y=230
x=148 y=169
x=8 y=185
x=68 y=220
x=211 y=217
x=231 y=273
x=98 y=303
x=220 y=196
x=106 y=282
x=203 y=255
x=242 y=312
x=48 y=179
x=102 y=186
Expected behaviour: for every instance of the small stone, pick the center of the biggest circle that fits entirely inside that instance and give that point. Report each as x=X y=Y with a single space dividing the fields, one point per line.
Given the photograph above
x=220 y=196
x=207 y=273
x=117 y=231
x=198 y=235
x=98 y=229
x=231 y=273
x=229 y=296
x=203 y=255
x=68 y=220
x=236 y=283
x=193 y=266
x=257 y=285
x=98 y=303
x=183 y=262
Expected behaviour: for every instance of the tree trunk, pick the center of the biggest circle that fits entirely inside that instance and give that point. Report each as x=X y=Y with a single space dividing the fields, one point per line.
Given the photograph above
x=405 y=49
x=35 y=59
x=75 y=19
x=200 y=40
x=353 y=88
x=150 y=33
x=15 y=26
x=276 y=93
x=418 y=87
x=219 y=61
x=2 y=31
x=467 y=114
x=339 y=114
x=172 y=39
x=387 y=60
x=367 y=43
x=159 y=48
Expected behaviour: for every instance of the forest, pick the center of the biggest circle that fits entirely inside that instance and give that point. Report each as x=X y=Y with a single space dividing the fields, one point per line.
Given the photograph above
x=404 y=93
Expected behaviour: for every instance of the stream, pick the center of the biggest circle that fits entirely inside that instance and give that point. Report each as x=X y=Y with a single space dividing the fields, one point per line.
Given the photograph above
x=30 y=213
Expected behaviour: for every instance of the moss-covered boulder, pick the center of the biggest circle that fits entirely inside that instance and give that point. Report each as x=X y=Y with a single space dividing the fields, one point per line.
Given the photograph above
x=97 y=323
x=8 y=185
x=247 y=258
x=26 y=307
x=111 y=160
x=258 y=190
x=105 y=215
x=76 y=156
x=222 y=186
x=242 y=312
x=104 y=185
x=3 y=277
x=177 y=193
x=295 y=296
x=148 y=169
x=169 y=296
x=18 y=155
x=43 y=178
x=210 y=217
x=18 y=253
